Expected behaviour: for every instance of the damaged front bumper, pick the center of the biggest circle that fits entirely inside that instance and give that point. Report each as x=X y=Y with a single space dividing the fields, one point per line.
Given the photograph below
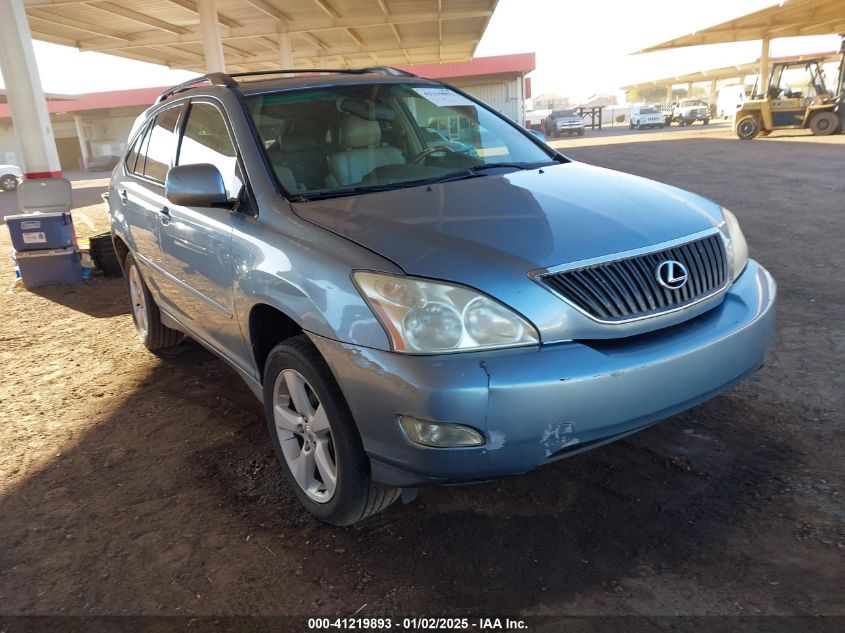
x=535 y=405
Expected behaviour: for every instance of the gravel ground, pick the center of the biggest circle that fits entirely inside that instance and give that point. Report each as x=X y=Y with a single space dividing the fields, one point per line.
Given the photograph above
x=137 y=484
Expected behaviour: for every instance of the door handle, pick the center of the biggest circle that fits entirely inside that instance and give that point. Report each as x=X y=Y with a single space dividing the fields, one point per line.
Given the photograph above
x=124 y=197
x=164 y=215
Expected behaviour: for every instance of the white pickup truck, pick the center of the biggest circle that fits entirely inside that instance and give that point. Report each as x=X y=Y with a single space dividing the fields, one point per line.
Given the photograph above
x=688 y=111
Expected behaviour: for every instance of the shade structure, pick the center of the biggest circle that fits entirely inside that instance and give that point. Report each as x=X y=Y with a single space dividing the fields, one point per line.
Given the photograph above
x=787 y=19
x=262 y=34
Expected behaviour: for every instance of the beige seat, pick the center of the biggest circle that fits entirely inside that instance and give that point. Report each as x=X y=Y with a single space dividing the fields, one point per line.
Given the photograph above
x=362 y=151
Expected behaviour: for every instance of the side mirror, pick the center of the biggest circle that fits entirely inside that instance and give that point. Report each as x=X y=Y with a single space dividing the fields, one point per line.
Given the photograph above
x=199 y=185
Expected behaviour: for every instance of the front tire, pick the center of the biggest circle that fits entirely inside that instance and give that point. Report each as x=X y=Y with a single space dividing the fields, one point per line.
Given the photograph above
x=8 y=183
x=824 y=124
x=315 y=437
x=747 y=128
x=145 y=313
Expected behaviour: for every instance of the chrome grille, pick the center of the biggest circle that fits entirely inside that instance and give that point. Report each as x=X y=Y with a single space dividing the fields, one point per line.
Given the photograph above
x=627 y=288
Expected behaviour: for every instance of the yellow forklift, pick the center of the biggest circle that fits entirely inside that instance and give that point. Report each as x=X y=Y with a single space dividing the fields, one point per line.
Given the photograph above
x=797 y=97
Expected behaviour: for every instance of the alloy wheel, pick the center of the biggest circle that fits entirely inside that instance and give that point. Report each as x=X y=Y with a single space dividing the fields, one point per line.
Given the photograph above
x=139 y=301
x=305 y=436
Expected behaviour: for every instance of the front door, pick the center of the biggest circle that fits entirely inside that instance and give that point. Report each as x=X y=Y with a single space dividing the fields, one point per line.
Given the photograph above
x=196 y=241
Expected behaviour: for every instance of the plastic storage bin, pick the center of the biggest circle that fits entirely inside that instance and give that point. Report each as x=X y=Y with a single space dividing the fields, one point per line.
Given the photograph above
x=38 y=231
x=48 y=267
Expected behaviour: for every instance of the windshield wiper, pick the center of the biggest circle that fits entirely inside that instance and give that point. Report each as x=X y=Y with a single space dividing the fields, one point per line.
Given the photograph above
x=477 y=170
x=348 y=191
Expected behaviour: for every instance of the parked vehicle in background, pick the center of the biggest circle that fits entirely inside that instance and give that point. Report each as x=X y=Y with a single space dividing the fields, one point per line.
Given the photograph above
x=729 y=100
x=688 y=111
x=564 y=122
x=646 y=116
x=413 y=316
x=10 y=177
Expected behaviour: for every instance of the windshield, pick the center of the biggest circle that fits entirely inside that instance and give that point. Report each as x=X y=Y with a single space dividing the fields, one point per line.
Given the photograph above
x=692 y=102
x=649 y=111
x=338 y=139
x=562 y=113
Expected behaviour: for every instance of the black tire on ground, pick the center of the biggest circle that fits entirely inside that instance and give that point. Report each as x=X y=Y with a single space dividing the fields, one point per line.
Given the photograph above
x=662 y=125
x=154 y=334
x=580 y=132
x=356 y=496
x=706 y=121
x=639 y=125
x=8 y=183
x=630 y=125
x=747 y=127
x=824 y=124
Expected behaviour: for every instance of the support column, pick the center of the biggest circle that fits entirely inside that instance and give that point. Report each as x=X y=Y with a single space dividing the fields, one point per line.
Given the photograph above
x=83 y=141
x=30 y=118
x=712 y=92
x=689 y=89
x=764 y=64
x=286 y=51
x=668 y=94
x=212 y=43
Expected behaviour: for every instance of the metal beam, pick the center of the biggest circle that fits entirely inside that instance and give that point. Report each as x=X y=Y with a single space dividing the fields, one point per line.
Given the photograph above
x=55 y=18
x=116 y=9
x=271 y=11
x=191 y=5
x=265 y=28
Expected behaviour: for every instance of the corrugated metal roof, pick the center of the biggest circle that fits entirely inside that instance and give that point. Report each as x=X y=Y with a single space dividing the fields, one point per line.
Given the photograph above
x=333 y=33
x=785 y=19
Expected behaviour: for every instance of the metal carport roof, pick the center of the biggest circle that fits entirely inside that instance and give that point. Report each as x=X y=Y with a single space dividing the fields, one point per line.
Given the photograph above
x=345 y=33
x=785 y=19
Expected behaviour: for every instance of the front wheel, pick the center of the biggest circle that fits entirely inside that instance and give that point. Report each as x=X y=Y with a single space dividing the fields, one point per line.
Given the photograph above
x=145 y=313
x=315 y=437
x=824 y=124
x=747 y=128
x=706 y=121
x=8 y=183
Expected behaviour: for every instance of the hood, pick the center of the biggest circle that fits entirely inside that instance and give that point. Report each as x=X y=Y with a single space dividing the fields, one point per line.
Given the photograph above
x=514 y=223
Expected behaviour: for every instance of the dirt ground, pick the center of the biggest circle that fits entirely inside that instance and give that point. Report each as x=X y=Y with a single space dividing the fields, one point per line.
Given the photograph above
x=137 y=484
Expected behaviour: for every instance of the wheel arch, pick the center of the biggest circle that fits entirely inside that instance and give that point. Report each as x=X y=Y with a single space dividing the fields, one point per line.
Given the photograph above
x=268 y=326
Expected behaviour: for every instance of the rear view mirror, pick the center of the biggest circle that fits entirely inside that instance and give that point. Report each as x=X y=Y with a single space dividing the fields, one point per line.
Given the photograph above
x=199 y=185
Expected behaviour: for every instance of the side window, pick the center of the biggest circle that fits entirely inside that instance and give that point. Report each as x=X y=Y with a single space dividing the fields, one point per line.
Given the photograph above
x=161 y=145
x=206 y=140
x=132 y=154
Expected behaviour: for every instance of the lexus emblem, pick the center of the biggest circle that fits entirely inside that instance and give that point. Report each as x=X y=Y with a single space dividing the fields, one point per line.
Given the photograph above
x=671 y=274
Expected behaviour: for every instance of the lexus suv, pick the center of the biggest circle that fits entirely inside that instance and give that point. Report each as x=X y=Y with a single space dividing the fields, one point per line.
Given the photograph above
x=411 y=315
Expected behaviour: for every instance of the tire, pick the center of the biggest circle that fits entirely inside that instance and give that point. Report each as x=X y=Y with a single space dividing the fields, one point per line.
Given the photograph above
x=706 y=121
x=747 y=127
x=145 y=313
x=580 y=132
x=662 y=125
x=630 y=125
x=824 y=124
x=639 y=125
x=304 y=437
x=8 y=183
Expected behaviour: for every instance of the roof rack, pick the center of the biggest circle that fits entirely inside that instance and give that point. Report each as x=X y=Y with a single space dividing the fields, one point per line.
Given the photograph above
x=228 y=79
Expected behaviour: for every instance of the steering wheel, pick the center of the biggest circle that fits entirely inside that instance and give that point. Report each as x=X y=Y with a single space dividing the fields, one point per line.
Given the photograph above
x=430 y=151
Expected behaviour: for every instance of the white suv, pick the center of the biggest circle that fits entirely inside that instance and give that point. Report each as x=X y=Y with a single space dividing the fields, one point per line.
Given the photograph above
x=646 y=116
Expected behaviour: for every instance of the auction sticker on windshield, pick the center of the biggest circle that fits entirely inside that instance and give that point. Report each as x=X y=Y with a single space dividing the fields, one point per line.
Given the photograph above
x=443 y=97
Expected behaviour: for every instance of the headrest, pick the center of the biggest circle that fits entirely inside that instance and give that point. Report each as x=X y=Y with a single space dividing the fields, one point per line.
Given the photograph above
x=366 y=109
x=357 y=133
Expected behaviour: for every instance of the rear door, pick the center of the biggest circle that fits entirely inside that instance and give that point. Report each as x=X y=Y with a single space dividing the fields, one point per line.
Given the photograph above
x=141 y=189
x=196 y=241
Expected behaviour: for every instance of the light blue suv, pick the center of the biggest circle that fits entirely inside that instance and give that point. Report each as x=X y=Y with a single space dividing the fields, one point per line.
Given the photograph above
x=412 y=315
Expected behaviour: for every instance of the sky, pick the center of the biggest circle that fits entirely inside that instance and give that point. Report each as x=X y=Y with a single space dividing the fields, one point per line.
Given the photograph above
x=580 y=52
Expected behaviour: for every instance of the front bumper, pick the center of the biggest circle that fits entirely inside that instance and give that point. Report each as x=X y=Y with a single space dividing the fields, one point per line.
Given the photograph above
x=535 y=405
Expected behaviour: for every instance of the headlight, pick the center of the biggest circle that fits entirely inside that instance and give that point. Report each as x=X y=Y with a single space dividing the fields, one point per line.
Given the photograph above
x=425 y=317
x=735 y=244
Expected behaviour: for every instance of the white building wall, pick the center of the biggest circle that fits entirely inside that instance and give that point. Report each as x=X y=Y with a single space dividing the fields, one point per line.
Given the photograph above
x=505 y=95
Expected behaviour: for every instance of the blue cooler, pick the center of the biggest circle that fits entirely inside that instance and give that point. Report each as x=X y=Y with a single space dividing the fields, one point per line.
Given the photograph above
x=50 y=266
x=46 y=223
x=38 y=231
